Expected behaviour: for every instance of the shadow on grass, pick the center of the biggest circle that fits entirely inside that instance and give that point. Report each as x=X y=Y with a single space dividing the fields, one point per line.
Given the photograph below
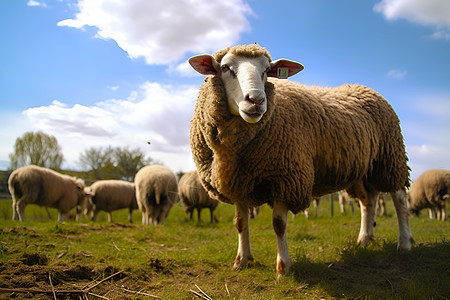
x=364 y=273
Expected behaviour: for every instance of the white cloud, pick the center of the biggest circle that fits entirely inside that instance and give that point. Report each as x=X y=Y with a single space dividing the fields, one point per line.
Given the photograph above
x=163 y=31
x=427 y=12
x=36 y=3
x=113 y=87
x=396 y=74
x=159 y=114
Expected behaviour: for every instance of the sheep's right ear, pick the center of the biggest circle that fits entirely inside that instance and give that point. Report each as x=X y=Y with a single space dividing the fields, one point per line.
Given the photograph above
x=204 y=64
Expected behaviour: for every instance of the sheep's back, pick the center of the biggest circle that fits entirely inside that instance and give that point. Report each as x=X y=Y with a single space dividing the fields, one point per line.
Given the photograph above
x=113 y=194
x=429 y=188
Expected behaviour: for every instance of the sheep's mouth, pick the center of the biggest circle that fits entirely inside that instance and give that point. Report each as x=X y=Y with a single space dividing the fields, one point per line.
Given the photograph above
x=253 y=117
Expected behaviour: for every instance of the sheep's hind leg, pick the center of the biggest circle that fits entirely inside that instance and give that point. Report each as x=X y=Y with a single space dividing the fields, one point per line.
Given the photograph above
x=405 y=238
x=368 y=199
x=279 y=221
x=242 y=219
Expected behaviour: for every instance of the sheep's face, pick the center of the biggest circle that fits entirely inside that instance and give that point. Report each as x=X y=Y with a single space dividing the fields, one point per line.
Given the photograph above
x=244 y=79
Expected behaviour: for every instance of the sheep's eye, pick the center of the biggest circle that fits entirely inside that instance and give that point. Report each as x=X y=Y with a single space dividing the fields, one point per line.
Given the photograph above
x=225 y=68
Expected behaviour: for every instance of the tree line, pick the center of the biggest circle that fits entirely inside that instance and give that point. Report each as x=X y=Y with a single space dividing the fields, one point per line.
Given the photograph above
x=97 y=163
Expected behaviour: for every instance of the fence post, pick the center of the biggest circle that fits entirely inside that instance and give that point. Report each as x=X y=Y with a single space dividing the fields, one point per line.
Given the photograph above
x=331 y=204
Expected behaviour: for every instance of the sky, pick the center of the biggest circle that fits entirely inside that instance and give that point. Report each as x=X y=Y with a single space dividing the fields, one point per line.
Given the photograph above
x=98 y=73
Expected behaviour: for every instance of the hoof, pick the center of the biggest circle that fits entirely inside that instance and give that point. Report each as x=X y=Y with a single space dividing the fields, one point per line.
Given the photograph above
x=405 y=246
x=241 y=262
x=365 y=240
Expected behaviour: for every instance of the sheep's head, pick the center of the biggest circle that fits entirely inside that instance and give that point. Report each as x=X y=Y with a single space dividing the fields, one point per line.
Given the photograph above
x=244 y=71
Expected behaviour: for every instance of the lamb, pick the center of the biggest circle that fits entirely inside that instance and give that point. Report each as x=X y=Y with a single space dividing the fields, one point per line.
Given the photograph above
x=45 y=187
x=156 y=193
x=257 y=141
x=193 y=195
x=430 y=190
x=110 y=195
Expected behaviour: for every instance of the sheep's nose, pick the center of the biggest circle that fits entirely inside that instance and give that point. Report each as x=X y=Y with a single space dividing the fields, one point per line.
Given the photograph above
x=256 y=97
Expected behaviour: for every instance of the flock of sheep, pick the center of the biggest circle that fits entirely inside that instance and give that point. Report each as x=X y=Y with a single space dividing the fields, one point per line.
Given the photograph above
x=256 y=139
x=154 y=192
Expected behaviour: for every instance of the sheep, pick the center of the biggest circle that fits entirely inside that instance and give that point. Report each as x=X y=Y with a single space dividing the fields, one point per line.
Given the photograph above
x=45 y=187
x=344 y=197
x=257 y=141
x=430 y=190
x=193 y=195
x=110 y=195
x=156 y=193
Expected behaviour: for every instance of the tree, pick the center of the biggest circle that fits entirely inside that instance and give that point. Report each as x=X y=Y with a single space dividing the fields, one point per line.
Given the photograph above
x=113 y=163
x=36 y=148
x=96 y=159
x=128 y=162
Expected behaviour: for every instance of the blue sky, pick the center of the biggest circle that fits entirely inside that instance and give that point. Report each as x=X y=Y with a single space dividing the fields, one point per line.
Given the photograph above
x=98 y=73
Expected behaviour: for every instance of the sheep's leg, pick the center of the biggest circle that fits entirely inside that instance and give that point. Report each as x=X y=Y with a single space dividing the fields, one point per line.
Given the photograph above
x=342 y=204
x=20 y=208
x=279 y=221
x=405 y=238
x=199 y=212
x=368 y=213
x=431 y=213
x=242 y=219
x=211 y=211
x=94 y=217
x=15 y=215
x=316 y=207
x=62 y=216
x=109 y=217
x=130 y=215
x=191 y=212
x=444 y=215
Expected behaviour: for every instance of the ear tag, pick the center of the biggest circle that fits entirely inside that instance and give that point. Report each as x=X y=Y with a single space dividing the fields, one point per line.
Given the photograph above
x=282 y=73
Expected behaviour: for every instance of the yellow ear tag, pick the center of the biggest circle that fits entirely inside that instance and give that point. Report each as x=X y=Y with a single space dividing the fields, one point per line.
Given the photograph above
x=282 y=73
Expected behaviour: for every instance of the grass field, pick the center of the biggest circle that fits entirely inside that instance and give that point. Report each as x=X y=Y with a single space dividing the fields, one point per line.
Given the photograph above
x=169 y=260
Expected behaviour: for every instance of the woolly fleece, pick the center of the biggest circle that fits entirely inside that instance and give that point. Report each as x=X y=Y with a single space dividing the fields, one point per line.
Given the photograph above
x=429 y=190
x=310 y=142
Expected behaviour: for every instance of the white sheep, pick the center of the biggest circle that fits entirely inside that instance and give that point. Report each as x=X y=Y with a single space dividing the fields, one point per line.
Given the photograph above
x=110 y=195
x=430 y=190
x=156 y=193
x=193 y=195
x=45 y=187
x=257 y=141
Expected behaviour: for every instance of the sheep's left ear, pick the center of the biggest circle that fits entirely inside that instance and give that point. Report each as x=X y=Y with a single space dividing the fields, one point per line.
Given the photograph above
x=283 y=68
x=204 y=64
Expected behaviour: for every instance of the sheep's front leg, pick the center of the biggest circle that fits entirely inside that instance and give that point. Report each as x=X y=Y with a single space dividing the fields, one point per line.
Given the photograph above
x=241 y=218
x=279 y=221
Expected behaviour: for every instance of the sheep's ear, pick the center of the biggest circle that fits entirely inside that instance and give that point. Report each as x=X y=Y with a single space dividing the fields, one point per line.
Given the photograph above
x=283 y=68
x=204 y=64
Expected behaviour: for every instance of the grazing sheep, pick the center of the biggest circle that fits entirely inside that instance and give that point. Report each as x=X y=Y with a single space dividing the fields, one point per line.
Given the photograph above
x=45 y=187
x=110 y=195
x=344 y=197
x=193 y=195
x=156 y=193
x=257 y=141
x=430 y=190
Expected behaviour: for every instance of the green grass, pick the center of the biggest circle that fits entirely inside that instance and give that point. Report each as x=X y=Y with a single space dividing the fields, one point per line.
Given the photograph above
x=168 y=260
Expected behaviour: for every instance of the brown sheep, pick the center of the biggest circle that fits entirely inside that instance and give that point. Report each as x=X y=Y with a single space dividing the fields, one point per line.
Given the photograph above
x=430 y=190
x=45 y=187
x=110 y=195
x=257 y=141
x=193 y=195
x=156 y=193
